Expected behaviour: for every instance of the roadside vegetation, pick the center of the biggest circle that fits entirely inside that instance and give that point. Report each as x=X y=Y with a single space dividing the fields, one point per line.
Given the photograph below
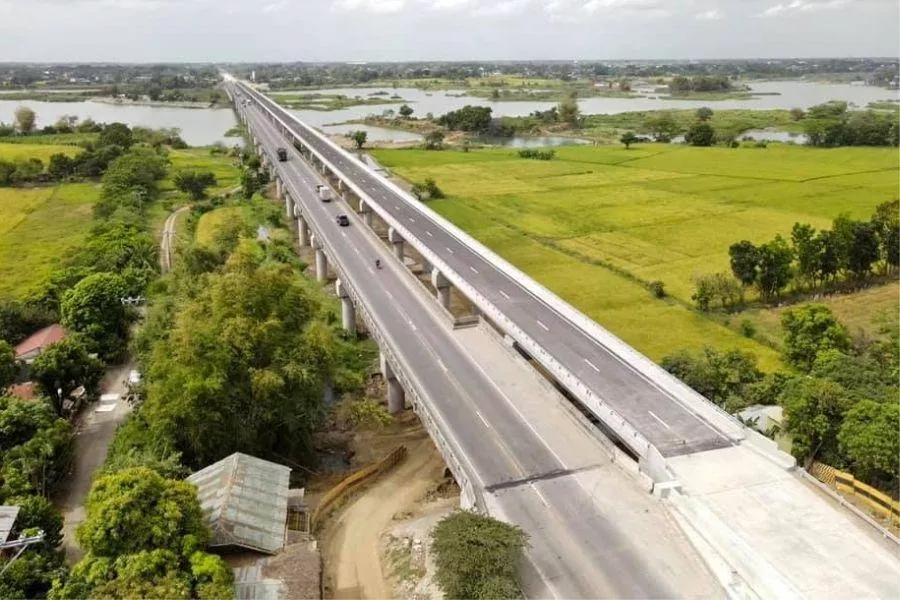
x=477 y=556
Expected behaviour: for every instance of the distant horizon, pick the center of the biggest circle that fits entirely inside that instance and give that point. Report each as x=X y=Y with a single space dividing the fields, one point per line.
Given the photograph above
x=445 y=61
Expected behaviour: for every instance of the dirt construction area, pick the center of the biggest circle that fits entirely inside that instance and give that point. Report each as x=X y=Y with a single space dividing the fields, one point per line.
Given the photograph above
x=352 y=541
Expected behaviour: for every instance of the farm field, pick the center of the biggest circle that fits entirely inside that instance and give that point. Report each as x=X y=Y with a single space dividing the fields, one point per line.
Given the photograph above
x=37 y=227
x=41 y=151
x=597 y=224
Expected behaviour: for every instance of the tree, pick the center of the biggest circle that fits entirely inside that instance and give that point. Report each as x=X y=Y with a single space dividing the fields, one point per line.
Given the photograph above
x=662 y=127
x=700 y=134
x=9 y=367
x=194 y=183
x=434 y=140
x=704 y=113
x=63 y=367
x=37 y=512
x=138 y=509
x=133 y=177
x=869 y=438
x=830 y=257
x=476 y=119
x=359 y=137
x=810 y=330
x=797 y=114
x=886 y=222
x=94 y=308
x=775 y=259
x=251 y=352
x=569 y=111
x=628 y=138
x=25 y=119
x=808 y=250
x=863 y=250
x=116 y=134
x=716 y=375
x=406 y=111
x=477 y=557
x=814 y=410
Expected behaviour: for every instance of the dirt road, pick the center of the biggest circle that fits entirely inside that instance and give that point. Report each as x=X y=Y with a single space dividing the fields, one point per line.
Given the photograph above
x=92 y=438
x=352 y=560
x=168 y=235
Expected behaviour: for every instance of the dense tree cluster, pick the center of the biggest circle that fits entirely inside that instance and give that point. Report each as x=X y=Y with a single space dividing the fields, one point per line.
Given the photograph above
x=475 y=119
x=840 y=403
x=700 y=83
x=833 y=124
x=537 y=154
x=144 y=537
x=477 y=557
x=35 y=452
x=94 y=157
x=851 y=251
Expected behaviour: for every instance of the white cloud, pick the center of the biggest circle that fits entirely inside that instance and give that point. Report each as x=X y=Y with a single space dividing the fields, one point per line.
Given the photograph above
x=798 y=6
x=447 y=4
x=499 y=9
x=275 y=6
x=373 y=6
x=709 y=15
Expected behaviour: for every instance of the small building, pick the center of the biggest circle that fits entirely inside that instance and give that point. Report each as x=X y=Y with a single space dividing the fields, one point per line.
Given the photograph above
x=8 y=516
x=37 y=342
x=245 y=501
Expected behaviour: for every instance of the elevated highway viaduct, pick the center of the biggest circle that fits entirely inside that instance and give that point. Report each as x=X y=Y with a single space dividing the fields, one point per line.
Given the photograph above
x=518 y=456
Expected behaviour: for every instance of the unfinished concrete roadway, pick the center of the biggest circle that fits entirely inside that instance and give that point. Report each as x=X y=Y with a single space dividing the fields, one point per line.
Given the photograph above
x=761 y=529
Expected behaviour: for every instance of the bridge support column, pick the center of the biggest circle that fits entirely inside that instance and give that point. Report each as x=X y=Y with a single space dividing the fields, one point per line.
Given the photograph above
x=395 y=239
x=366 y=211
x=396 y=397
x=348 y=311
x=279 y=189
x=321 y=260
x=426 y=266
x=302 y=232
x=442 y=285
x=288 y=206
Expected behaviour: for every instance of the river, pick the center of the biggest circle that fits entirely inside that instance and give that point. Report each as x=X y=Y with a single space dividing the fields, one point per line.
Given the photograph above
x=206 y=126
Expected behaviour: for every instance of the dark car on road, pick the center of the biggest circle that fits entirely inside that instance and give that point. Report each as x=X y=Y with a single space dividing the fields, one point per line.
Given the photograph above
x=282 y=154
x=343 y=221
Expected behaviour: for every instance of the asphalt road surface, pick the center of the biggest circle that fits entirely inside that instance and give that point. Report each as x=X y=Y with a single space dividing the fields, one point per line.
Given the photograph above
x=582 y=553
x=664 y=421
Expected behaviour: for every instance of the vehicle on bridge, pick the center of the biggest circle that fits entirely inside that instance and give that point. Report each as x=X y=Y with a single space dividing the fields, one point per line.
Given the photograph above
x=282 y=154
x=324 y=193
x=343 y=221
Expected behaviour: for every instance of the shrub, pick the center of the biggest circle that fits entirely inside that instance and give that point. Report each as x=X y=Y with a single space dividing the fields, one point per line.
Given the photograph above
x=536 y=154
x=748 y=329
x=657 y=288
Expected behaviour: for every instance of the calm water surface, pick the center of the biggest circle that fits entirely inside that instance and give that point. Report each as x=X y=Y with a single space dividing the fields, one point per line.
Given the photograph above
x=205 y=126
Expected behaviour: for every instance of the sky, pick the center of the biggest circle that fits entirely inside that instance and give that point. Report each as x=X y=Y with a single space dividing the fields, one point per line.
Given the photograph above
x=398 y=30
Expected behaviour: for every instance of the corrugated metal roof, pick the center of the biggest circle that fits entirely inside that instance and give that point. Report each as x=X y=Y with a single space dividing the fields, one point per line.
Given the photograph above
x=8 y=516
x=245 y=501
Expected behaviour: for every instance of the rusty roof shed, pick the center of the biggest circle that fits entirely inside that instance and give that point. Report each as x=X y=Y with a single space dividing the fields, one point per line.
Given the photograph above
x=244 y=500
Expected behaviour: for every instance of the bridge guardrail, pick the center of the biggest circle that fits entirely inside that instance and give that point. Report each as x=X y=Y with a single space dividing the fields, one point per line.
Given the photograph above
x=657 y=376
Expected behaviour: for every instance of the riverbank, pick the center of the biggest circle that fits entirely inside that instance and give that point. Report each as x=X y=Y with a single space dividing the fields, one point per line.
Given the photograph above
x=157 y=103
x=329 y=102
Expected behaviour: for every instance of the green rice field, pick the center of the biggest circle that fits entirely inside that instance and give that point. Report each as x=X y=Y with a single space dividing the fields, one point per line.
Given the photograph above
x=596 y=224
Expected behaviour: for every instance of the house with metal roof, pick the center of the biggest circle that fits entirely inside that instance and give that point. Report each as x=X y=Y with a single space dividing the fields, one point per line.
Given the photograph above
x=245 y=501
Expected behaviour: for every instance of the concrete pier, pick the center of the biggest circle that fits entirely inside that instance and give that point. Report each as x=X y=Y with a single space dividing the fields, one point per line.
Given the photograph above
x=302 y=232
x=442 y=285
x=348 y=311
x=396 y=397
x=366 y=211
x=397 y=240
x=321 y=260
x=279 y=189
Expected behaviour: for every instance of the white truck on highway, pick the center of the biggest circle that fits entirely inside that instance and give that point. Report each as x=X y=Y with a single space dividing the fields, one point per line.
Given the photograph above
x=324 y=193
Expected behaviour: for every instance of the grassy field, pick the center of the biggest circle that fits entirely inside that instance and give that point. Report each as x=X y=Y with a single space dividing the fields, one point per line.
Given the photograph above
x=37 y=226
x=210 y=222
x=598 y=223
x=42 y=151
